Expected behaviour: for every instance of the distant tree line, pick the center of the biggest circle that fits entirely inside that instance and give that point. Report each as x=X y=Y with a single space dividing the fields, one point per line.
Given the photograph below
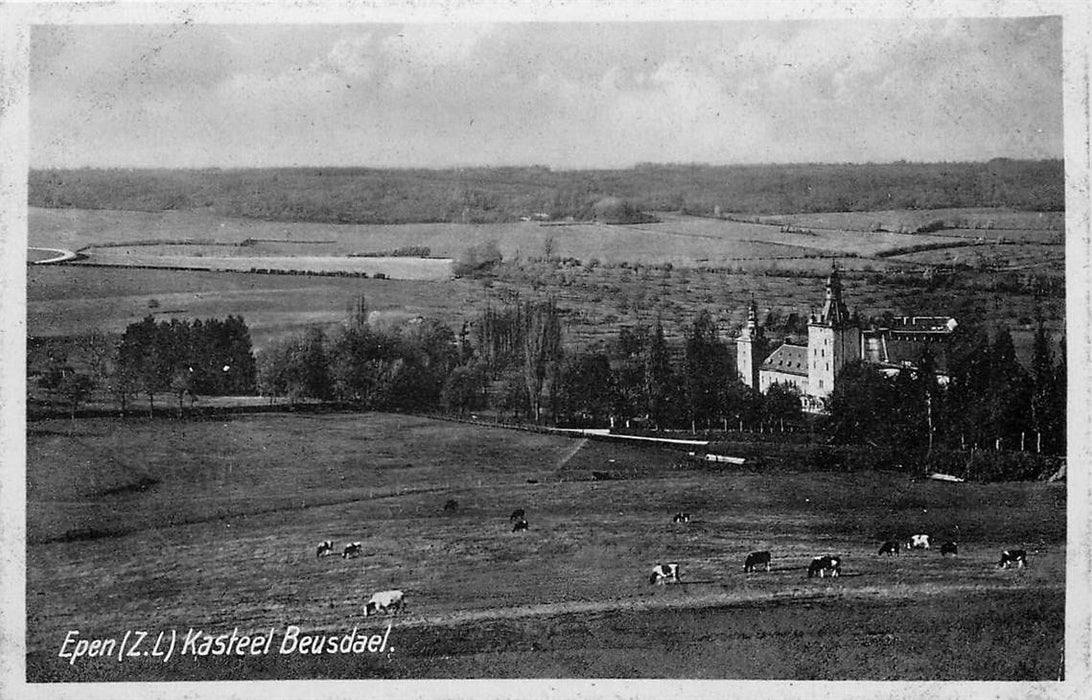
x=484 y=195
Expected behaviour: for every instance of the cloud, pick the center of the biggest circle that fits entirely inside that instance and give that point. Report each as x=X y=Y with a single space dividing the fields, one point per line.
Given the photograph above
x=565 y=95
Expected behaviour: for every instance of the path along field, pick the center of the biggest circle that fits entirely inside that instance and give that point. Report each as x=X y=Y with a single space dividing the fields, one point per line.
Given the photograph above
x=161 y=525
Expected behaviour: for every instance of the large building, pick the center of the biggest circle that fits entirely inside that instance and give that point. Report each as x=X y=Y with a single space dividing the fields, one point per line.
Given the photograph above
x=836 y=339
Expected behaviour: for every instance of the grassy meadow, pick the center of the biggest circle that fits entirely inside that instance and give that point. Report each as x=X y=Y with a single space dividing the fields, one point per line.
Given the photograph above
x=171 y=524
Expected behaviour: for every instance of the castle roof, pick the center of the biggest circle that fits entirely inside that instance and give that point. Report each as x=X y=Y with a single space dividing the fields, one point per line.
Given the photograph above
x=789 y=359
x=834 y=311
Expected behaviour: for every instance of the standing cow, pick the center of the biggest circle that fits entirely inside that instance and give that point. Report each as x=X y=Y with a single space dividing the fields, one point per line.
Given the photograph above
x=681 y=518
x=949 y=548
x=387 y=601
x=517 y=514
x=520 y=526
x=755 y=560
x=353 y=549
x=820 y=565
x=918 y=542
x=324 y=548
x=1017 y=557
x=662 y=573
x=890 y=547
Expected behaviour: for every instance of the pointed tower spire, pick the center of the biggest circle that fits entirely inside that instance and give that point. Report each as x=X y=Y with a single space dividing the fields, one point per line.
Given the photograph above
x=834 y=311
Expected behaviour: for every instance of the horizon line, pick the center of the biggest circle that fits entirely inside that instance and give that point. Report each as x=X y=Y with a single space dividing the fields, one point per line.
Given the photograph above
x=540 y=166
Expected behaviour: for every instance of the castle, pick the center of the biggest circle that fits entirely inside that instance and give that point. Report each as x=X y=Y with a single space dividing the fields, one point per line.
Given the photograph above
x=836 y=339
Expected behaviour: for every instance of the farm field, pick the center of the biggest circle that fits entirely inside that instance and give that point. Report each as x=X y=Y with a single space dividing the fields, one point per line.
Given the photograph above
x=212 y=524
x=982 y=221
x=680 y=240
x=1014 y=256
x=403 y=268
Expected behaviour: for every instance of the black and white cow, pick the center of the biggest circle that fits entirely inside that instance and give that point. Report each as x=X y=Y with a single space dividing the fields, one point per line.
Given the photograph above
x=517 y=514
x=890 y=547
x=353 y=549
x=325 y=547
x=820 y=565
x=949 y=548
x=1013 y=556
x=755 y=560
x=387 y=601
x=520 y=526
x=662 y=573
x=681 y=518
x=918 y=542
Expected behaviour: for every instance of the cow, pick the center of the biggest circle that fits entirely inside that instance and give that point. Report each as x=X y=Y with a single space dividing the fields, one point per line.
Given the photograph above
x=1013 y=556
x=890 y=547
x=325 y=547
x=681 y=518
x=918 y=542
x=756 y=559
x=819 y=565
x=662 y=573
x=520 y=526
x=451 y=506
x=387 y=601
x=353 y=549
x=517 y=514
x=949 y=548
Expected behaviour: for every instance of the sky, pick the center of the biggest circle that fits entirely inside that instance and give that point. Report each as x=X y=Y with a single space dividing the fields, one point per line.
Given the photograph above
x=561 y=95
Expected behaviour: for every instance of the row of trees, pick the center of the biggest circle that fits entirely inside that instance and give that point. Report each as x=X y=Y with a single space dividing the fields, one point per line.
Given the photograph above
x=513 y=361
x=187 y=358
x=206 y=358
x=990 y=402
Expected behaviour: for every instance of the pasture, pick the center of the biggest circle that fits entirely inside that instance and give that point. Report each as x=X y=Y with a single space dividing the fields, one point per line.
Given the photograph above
x=169 y=524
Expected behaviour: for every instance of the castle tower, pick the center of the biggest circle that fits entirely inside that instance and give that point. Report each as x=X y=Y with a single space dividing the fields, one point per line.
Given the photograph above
x=750 y=349
x=834 y=340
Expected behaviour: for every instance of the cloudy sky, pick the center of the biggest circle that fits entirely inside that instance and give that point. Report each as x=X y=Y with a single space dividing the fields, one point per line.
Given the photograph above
x=564 y=95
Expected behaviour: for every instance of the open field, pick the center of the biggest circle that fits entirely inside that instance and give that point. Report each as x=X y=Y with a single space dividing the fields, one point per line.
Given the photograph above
x=402 y=268
x=1015 y=256
x=1044 y=225
x=161 y=525
x=604 y=276
x=680 y=240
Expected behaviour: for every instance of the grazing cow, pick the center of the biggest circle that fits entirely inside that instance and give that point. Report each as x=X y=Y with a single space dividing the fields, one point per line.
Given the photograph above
x=820 y=565
x=918 y=542
x=1013 y=556
x=520 y=526
x=756 y=559
x=517 y=514
x=889 y=547
x=325 y=547
x=353 y=549
x=451 y=506
x=949 y=548
x=681 y=518
x=387 y=601
x=662 y=573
